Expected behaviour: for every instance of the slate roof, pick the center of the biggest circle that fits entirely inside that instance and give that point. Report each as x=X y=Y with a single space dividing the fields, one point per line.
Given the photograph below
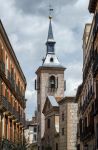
x=53 y=101
x=55 y=62
x=50 y=32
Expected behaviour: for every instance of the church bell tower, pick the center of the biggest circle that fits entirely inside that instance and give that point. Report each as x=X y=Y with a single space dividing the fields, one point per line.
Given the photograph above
x=50 y=81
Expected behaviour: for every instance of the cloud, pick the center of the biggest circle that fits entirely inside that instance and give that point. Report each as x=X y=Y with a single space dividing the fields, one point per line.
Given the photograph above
x=73 y=77
x=40 y=7
x=26 y=24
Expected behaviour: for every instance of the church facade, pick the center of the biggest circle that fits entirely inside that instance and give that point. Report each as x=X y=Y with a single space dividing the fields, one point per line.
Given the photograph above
x=50 y=86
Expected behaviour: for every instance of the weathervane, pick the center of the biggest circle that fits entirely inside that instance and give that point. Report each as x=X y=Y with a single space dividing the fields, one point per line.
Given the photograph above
x=50 y=11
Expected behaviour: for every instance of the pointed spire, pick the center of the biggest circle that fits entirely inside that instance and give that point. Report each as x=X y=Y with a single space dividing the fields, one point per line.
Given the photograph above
x=50 y=33
x=50 y=40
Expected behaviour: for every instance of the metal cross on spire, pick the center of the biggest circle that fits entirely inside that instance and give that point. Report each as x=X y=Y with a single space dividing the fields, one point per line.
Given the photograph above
x=50 y=11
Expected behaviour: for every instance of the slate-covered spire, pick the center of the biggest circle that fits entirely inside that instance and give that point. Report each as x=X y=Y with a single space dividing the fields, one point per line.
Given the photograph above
x=50 y=40
x=50 y=32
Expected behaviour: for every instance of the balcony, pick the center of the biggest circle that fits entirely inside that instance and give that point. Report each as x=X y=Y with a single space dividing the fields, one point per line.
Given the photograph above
x=88 y=99
x=10 y=82
x=22 y=121
x=87 y=133
x=95 y=66
x=15 y=114
x=90 y=94
x=89 y=62
x=6 y=106
x=92 y=6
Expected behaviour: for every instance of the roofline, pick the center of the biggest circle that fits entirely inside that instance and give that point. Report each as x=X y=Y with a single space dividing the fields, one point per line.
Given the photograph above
x=67 y=99
x=54 y=108
x=79 y=91
x=47 y=67
x=85 y=28
x=92 y=6
x=9 y=46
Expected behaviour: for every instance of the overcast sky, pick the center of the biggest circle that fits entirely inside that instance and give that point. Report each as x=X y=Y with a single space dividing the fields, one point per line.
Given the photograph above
x=26 y=23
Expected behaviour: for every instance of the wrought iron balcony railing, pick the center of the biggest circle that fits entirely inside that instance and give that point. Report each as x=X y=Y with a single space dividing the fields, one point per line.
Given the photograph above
x=22 y=120
x=15 y=113
x=5 y=104
x=7 y=107
x=89 y=62
x=9 y=79
x=95 y=66
x=95 y=30
x=87 y=132
x=87 y=100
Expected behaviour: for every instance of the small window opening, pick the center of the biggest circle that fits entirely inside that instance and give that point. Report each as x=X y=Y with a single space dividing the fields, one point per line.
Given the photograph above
x=51 y=59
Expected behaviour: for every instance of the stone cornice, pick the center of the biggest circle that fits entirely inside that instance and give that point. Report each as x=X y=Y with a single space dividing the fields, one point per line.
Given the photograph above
x=49 y=68
x=9 y=46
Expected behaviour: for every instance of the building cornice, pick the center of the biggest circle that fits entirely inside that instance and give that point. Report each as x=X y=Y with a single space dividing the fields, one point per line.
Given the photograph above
x=53 y=109
x=49 y=68
x=67 y=99
x=9 y=46
x=78 y=92
x=92 y=6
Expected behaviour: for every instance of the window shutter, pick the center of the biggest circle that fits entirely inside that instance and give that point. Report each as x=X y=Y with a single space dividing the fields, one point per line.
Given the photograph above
x=65 y=85
x=96 y=88
x=38 y=84
x=35 y=85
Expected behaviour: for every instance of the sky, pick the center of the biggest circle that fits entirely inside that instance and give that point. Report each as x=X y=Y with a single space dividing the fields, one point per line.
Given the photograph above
x=26 y=23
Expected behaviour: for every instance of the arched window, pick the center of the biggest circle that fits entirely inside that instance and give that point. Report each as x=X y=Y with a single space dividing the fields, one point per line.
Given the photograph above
x=52 y=82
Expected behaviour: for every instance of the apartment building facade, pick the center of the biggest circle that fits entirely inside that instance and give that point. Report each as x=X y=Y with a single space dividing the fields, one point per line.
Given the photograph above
x=87 y=94
x=31 y=133
x=12 y=93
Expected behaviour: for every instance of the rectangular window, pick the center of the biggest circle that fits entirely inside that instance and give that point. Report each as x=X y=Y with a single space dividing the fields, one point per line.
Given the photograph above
x=42 y=147
x=56 y=146
x=34 y=129
x=97 y=135
x=62 y=116
x=38 y=128
x=48 y=123
x=62 y=131
x=35 y=138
